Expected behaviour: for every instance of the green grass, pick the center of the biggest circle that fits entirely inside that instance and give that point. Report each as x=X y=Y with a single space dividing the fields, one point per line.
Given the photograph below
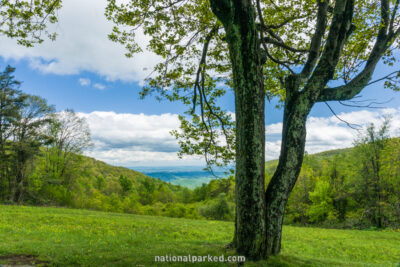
x=69 y=237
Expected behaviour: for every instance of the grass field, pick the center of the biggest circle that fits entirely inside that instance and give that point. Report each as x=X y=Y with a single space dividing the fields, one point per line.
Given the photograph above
x=69 y=237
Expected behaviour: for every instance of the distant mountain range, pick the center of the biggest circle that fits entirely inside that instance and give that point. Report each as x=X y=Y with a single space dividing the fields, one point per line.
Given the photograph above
x=188 y=176
x=193 y=176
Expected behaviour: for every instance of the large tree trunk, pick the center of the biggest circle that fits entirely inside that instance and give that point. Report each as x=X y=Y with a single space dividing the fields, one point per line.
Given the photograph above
x=243 y=42
x=297 y=108
x=250 y=157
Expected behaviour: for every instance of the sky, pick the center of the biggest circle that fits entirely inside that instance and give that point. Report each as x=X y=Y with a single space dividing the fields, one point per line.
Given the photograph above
x=86 y=72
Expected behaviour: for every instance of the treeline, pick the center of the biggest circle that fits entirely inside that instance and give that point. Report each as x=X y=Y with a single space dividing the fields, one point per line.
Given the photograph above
x=103 y=187
x=355 y=188
x=349 y=188
x=41 y=163
x=30 y=128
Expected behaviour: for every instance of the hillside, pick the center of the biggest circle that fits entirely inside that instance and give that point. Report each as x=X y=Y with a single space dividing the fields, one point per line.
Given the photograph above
x=335 y=189
x=95 y=168
x=69 y=237
x=320 y=156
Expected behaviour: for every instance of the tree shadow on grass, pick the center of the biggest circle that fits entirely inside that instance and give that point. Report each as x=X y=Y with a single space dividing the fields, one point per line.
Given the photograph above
x=21 y=259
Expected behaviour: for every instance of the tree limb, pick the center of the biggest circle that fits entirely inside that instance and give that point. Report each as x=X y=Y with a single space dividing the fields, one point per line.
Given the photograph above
x=283 y=45
x=197 y=86
x=340 y=29
x=351 y=125
x=355 y=86
x=315 y=47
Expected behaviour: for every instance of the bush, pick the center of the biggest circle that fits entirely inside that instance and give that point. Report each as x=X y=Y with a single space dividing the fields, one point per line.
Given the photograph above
x=218 y=209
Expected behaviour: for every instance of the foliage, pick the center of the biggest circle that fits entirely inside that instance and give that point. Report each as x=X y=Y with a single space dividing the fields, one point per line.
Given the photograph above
x=218 y=209
x=355 y=188
x=196 y=67
x=42 y=164
x=27 y=21
x=125 y=183
x=22 y=117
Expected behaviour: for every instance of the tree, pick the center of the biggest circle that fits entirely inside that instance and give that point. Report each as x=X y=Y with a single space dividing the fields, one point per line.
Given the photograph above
x=391 y=172
x=27 y=138
x=261 y=49
x=372 y=184
x=11 y=100
x=27 y=20
x=338 y=183
x=125 y=183
x=69 y=136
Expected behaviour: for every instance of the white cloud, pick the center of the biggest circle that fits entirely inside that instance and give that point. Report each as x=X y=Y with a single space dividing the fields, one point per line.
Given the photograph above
x=331 y=133
x=83 y=45
x=99 y=86
x=145 y=140
x=135 y=139
x=84 y=82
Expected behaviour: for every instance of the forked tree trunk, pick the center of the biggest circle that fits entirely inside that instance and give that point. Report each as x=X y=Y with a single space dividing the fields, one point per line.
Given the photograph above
x=297 y=109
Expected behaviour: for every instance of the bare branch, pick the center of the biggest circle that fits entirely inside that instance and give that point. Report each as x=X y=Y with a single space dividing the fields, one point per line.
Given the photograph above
x=369 y=105
x=351 y=125
x=386 y=77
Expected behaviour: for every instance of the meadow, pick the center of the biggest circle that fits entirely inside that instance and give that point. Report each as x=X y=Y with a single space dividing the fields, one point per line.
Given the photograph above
x=72 y=237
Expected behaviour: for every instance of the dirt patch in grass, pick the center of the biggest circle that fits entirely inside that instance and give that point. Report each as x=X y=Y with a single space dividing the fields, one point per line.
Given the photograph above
x=21 y=260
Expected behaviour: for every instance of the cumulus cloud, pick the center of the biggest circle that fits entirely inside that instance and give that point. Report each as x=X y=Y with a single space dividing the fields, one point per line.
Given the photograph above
x=84 y=81
x=82 y=45
x=326 y=133
x=99 y=86
x=135 y=139
x=143 y=140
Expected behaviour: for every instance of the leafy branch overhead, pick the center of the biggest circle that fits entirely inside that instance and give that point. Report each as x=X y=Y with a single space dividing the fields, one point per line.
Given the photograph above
x=305 y=42
x=27 y=21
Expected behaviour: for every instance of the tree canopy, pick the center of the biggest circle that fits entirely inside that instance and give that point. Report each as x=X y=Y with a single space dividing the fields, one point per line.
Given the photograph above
x=294 y=50
x=293 y=37
x=27 y=21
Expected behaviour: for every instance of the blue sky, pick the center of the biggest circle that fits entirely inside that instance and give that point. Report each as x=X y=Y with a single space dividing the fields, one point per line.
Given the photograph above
x=84 y=71
x=65 y=91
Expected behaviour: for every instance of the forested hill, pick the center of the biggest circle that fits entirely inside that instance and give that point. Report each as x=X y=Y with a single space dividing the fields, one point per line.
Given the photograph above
x=353 y=187
x=99 y=170
x=270 y=165
x=335 y=188
x=93 y=184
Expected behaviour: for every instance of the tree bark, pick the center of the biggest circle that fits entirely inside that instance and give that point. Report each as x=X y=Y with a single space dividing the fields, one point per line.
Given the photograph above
x=238 y=18
x=297 y=108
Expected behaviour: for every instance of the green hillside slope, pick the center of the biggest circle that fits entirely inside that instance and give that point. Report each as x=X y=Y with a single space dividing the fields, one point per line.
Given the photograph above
x=70 y=237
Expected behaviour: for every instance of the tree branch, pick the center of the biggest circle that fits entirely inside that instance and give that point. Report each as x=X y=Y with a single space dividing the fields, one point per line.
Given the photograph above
x=285 y=22
x=283 y=45
x=315 y=46
x=351 y=125
x=223 y=9
x=340 y=29
x=197 y=86
x=357 y=104
x=393 y=18
x=355 y=86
